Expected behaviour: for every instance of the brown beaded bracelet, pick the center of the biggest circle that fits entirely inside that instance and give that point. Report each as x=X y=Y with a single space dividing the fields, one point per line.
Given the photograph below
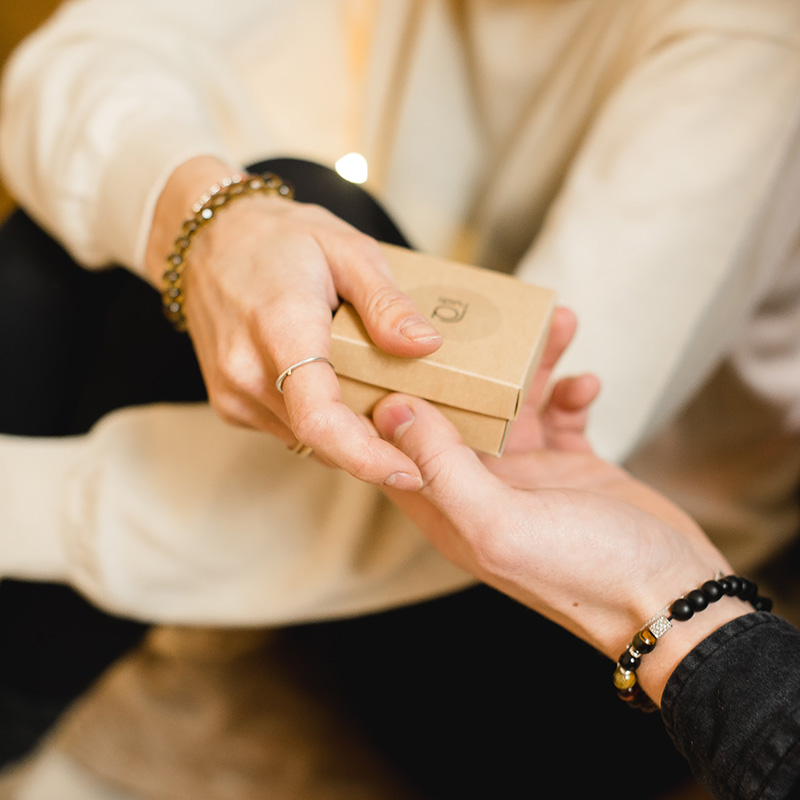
x=203 y=211
x=625 y=681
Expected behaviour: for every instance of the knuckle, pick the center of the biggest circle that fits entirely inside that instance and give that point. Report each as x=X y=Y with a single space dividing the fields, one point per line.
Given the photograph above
x=317 y=218
x=494 y=551
x=359 y=468
x=227 y=408
x=274 y=322
x=363 y=250
x=312 y=426
x=368 y=248
x=313 y=212
x=227 y=371
x=230 y=370
x=240 y=367
x=386 y=300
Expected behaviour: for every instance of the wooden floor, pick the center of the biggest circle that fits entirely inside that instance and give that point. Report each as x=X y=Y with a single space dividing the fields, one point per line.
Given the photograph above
x=16 y=21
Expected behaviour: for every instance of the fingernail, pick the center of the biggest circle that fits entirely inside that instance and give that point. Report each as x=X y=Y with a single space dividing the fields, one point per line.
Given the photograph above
x=417 y=329
x=394 y=421
x=404 y=481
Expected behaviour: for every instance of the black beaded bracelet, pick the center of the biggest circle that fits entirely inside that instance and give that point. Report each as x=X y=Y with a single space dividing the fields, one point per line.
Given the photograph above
x=682 y=609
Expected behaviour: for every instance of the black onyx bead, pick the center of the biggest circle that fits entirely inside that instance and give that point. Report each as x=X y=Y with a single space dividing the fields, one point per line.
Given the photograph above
x=762 y=604
x=681 y=610
x=735 y=584
x=725 y=585
x=697 y=600
x=712 y=590
x=748 y=590
x=628 y=661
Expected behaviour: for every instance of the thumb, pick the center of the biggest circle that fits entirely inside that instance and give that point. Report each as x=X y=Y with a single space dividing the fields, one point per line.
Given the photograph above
x=392 y=320
x=454 y=479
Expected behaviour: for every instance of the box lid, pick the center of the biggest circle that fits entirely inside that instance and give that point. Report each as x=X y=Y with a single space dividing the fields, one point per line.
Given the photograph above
x=493 y=325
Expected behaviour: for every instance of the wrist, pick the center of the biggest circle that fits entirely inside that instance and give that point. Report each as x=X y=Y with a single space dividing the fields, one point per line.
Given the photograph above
x=659 y=665
x=183 y=189
x=641 y=675
x=204 y=212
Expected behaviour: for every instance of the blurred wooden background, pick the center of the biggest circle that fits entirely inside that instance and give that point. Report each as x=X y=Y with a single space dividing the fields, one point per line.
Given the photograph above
x=17 y=19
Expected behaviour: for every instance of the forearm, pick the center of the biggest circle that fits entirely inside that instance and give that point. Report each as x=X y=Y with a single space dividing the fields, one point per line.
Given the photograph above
x=101 y=105
x=166 y=514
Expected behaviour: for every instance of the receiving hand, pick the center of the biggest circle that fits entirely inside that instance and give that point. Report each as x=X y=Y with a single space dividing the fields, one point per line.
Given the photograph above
x=567 y=534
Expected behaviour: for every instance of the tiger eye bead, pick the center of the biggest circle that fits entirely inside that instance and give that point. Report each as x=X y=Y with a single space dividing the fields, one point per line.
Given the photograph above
x=624 y=679
x=684 y=608
x=644 y=641
x=630 y=695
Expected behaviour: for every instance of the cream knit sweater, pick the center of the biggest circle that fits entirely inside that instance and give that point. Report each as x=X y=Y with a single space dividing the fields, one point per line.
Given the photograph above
x=641 y=158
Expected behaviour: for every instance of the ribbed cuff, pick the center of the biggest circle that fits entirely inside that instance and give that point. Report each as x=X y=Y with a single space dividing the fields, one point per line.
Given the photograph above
x=33 y=472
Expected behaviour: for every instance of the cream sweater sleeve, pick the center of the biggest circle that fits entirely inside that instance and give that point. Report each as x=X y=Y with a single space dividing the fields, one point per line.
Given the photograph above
x=678 y=214
x=105 y=100
x=166 y=514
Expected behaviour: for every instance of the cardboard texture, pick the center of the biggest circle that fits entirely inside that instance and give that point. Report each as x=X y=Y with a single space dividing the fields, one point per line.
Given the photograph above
x=494 y=327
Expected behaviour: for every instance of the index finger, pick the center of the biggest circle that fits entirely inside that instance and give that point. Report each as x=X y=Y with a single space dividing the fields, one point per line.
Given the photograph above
x=320 y=420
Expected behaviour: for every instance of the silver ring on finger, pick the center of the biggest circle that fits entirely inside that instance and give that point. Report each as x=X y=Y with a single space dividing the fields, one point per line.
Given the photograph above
x=287 y=372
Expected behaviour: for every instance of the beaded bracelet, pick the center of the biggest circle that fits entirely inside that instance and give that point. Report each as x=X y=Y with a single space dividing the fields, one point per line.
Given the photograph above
x=682 y=609
x=203 y=211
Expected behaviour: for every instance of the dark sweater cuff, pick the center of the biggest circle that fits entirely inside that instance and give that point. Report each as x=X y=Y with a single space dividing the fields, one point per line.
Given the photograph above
x=732 y=708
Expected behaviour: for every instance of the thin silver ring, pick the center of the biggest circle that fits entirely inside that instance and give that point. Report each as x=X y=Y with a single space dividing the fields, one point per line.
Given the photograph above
x=287 y=372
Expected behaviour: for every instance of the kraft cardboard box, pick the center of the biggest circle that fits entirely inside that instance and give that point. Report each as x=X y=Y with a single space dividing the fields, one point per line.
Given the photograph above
x=494 y=327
